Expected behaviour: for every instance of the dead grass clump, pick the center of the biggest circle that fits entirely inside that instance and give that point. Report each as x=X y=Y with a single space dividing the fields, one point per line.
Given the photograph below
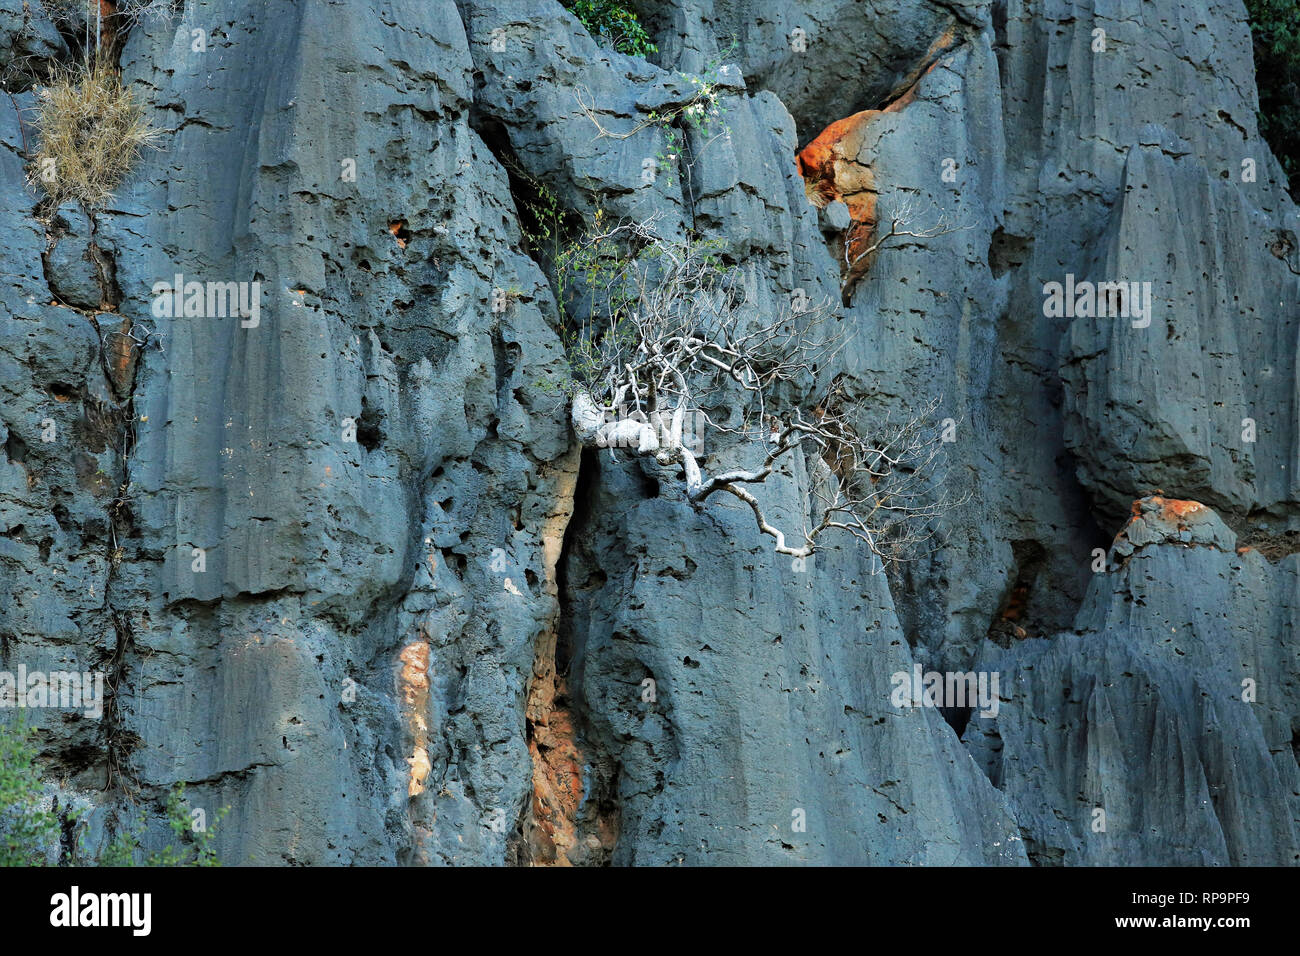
x=91 y=132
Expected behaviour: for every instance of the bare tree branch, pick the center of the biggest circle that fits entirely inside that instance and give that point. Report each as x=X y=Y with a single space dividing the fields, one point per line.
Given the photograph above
x=670 y=332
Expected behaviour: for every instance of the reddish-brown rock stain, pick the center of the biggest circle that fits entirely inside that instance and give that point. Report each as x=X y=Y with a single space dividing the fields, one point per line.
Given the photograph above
x=834 y=167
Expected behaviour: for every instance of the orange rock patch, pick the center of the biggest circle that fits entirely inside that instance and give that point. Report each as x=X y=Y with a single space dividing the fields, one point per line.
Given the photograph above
x=121 y=356
x=1174 y=512
x=836 y=166
x=413 y=684
x=557 y=764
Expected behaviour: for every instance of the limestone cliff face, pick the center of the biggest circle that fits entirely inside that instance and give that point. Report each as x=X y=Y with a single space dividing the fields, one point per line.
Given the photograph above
x=459 y=639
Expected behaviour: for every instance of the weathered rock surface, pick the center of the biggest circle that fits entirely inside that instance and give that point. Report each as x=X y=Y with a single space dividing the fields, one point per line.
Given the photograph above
x=1129 y=739
x=459 y=639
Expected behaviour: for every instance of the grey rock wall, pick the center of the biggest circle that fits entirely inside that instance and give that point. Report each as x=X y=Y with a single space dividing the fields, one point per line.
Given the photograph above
x=459 y=639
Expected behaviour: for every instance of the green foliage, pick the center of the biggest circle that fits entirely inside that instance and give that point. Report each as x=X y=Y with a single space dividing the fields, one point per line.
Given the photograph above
x=594 y=300
x=588 y=269
x=1276 y=28
x=541 y=217
x=603 y=278
x=583 y=270
x=613 y=24
x=192 y=847
x=121 y=849
x=703 y=113
x=26 y=829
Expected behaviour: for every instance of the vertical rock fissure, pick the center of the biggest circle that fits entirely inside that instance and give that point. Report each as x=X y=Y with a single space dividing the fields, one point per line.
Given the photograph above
x=118 y=742
x=110 y=422
x=570 y=819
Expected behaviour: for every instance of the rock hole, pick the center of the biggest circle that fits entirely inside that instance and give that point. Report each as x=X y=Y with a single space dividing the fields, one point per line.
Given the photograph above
x=1007 y=252
x=370 y=432
x=15 y=449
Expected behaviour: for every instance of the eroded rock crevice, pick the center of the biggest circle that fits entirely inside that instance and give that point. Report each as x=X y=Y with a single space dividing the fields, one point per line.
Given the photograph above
x=572 y=818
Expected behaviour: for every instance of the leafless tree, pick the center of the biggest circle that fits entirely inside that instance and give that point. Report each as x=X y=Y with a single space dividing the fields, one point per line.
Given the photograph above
x=858 y=255
x=669 y=333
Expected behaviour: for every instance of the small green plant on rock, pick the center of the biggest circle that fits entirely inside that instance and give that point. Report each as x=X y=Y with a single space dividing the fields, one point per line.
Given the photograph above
x=701 y=112
x=614 y=25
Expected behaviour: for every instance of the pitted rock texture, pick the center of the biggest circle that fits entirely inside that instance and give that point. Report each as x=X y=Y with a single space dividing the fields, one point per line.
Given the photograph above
x=459 y=639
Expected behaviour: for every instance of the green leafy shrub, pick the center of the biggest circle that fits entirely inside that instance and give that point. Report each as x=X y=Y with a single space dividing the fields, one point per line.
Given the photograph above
x=1276 y=28
x=26 y=829
x=192 y=847
x=613 y=24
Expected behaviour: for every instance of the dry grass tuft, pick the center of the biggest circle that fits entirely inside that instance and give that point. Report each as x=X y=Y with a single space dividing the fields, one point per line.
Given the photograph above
x=91 y=133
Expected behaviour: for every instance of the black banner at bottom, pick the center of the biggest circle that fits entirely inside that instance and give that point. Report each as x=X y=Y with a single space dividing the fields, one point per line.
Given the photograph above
x=143 y=906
